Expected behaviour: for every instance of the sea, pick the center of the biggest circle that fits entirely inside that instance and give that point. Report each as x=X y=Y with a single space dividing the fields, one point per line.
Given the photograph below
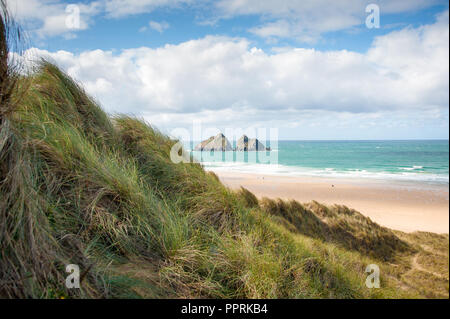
x=421 y=161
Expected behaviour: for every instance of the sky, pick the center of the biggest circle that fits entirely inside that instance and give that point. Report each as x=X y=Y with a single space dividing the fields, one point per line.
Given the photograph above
x=313 y=69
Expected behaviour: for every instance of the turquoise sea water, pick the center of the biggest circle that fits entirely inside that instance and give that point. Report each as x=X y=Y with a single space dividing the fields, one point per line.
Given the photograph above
x=425 y=161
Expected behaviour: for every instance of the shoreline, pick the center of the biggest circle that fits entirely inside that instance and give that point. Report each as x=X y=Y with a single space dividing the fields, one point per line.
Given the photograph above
x=404 y=206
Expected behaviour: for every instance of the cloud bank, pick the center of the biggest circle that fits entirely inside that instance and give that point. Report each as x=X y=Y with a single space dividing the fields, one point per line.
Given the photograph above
x=304 y=20
x=221 y=79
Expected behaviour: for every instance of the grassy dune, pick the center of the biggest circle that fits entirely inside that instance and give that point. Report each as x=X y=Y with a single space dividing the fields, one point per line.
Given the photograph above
x=79 y=187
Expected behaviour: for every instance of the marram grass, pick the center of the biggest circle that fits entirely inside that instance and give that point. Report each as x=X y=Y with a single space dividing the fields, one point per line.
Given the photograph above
x=79 y=187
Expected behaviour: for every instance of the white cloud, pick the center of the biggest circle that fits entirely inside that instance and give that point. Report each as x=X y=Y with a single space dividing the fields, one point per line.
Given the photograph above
x=279 y=28
x=50 y=17
x=293 y=7
x=306 y=20
x=226 y=80
x=158 y=26
x=121 y=8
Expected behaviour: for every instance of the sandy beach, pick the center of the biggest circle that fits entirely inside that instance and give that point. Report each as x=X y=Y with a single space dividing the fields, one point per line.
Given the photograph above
x=403 y=206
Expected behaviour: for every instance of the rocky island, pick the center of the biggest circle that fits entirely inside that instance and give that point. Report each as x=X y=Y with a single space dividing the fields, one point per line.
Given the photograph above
x=220 y=143
x=245 y=144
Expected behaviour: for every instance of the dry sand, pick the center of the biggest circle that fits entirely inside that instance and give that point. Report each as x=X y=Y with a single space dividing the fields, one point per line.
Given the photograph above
x=402 y=206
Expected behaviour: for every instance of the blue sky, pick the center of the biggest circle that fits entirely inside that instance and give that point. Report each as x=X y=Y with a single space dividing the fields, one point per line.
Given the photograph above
x=188 y=22
x=310 y=68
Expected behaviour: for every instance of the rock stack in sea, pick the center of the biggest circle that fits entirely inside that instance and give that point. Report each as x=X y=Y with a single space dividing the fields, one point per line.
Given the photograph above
x=242 y=144
x=245 y=144
x=218 y=143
